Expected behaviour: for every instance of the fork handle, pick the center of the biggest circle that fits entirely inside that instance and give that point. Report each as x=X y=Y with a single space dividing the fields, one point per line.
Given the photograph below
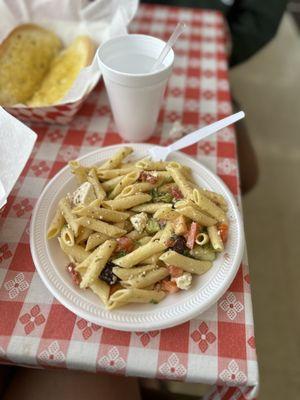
x=202 y=133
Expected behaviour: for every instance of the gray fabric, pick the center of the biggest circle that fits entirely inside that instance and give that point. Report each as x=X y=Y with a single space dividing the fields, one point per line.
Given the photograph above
x=253 y=23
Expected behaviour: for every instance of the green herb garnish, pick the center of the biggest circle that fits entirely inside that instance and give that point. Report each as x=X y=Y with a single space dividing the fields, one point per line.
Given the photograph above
x=121 y=253
x=152 y=301
x=158 y=197
x=186 y=253
x=152 y=226
x=204 y=253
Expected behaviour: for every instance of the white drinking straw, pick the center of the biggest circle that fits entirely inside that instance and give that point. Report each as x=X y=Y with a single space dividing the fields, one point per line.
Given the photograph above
x=181 y=26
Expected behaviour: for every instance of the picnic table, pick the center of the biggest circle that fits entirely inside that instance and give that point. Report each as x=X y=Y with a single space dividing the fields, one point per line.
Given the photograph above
x=218 y=347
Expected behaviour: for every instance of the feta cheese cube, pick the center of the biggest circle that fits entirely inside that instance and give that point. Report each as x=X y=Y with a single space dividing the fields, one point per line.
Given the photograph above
x=84 y=195
x=184 y=281
x=139 y=221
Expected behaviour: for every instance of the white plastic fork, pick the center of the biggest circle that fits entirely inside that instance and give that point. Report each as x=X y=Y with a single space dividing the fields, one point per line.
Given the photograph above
x=159 y=153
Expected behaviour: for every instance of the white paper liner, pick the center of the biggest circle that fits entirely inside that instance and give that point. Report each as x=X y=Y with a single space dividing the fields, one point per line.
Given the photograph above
x=16 y=144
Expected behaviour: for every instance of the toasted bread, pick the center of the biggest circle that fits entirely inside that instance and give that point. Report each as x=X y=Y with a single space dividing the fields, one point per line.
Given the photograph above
x=25 y=57
x=63 y=72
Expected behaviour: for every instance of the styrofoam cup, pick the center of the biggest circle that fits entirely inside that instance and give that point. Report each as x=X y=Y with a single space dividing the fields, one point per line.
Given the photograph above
x=135 y=98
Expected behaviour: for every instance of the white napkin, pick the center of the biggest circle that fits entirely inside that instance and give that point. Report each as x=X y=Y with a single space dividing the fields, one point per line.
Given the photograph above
x=16 y=144
x=99 y=19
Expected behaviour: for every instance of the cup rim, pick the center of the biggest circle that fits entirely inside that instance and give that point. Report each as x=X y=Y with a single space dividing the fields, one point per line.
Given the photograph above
x=128 y=74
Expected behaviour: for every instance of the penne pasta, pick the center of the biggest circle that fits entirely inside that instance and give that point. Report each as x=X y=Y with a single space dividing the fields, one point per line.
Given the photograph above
x=83 y=234
x=215 y=197
x=166 y=213
x=164 y=177
x=67 y=236
x=111 y=183
x=95 y=239
x=144 y=240
x=116 y=160
x=139 y=254
x=120 y=225
x=101 y=227
x=135 y=235
x=106 y=174
x=127 y=202
x=153 y=259
x=184 y=203
x=56 y=224
x=215 y=238
x=125 y=296
x=79 y=171
x=93 y=210
x=166 y=233
x=93 y=179
x=186 y=263
x=136 y=188
x=196 y=215
x=104 y=251
x=208 y=206
x=101 y=289
x=202 y=239
x=125 y=274
x=87 y=261
x=127 y=164
x=181 y=181
x=151 y=208
x=157 y=236
x=75 y=253
x=66 y=210
x=146 y=278
x=148 y=165
x=128 y=179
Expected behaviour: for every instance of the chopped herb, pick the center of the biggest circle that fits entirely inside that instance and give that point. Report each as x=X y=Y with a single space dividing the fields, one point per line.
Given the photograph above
x=121 y=253
x=152 y=226
x=152 y=301
x=163 y=197
x=204 y=253
x=186 y=253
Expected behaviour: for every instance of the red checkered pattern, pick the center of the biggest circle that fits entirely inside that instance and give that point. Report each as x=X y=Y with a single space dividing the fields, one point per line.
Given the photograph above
x=218 y=347
x=60 y=114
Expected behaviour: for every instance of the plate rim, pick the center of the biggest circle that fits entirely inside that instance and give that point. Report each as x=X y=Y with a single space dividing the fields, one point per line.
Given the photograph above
x=152 y=325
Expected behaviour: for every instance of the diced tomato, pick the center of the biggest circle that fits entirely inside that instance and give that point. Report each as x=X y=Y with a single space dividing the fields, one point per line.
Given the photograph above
x=169 y=286
x=175 y=272
x=223 y=232
x=169 y=242
x=125 y=243
x=148 y=177
x=176 y=193
x=114 y=288
x=75 y=275
x=193 y=232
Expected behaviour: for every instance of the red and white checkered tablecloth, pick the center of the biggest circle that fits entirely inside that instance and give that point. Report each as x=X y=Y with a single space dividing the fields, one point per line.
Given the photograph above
x=218 y=347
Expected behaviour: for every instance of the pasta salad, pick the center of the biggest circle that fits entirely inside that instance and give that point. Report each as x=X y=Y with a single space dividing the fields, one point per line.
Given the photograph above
x=137 y=231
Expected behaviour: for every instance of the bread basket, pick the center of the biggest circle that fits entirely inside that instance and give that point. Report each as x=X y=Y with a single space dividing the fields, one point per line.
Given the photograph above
x=99 y=19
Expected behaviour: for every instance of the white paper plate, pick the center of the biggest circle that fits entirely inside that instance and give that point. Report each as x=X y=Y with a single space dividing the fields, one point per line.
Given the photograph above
x=51 y=263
